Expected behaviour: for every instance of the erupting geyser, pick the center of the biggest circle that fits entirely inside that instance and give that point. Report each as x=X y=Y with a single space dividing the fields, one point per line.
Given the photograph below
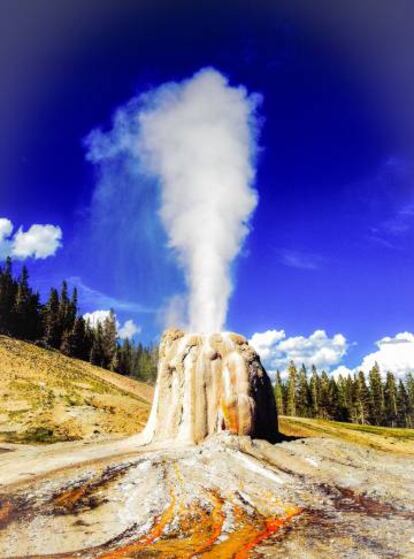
x=209 y=383
x=198 y=139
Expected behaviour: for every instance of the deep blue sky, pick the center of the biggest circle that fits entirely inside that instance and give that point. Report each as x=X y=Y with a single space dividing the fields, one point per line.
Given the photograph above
x=332 y=238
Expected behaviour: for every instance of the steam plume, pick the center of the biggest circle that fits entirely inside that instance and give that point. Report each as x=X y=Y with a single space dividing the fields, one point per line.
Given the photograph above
x=198 y=137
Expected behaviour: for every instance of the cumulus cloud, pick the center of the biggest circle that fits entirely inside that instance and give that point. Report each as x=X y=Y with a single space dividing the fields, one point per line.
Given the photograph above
x=39 y=241
x=198 y=138
x=265 y=343
x=6 y=228
x=276 y=350
x=96 y=317
x=394 y=354
x=127 y=330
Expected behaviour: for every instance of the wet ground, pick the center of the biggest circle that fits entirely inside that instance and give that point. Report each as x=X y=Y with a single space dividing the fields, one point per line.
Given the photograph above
x=227 y=498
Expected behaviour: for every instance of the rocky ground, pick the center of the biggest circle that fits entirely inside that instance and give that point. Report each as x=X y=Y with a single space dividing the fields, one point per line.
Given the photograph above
x=229 y=497
x=330 y=490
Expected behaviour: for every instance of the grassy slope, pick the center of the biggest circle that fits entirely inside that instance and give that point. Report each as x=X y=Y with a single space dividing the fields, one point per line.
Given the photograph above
x=47 y=397
x=380 y=438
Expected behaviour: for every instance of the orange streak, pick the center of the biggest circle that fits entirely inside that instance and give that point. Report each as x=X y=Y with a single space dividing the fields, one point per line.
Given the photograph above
x=230 y=415
x=155 y=532
x=218 y=517
x=5 y=511
x=272 y=525
x=70 y=497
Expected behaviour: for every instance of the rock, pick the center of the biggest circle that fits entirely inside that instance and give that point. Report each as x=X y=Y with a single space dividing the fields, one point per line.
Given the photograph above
x=207 y=384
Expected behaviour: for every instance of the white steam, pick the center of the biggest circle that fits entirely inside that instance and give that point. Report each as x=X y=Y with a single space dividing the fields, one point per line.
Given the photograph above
x=198 y=138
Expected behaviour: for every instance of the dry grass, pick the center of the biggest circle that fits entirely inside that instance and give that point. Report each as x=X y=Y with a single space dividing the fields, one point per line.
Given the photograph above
x=47 y=397
x=379 y=438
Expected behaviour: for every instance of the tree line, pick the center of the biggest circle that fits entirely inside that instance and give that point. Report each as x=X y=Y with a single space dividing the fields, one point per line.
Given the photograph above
x=57 y=324
x=353 y=398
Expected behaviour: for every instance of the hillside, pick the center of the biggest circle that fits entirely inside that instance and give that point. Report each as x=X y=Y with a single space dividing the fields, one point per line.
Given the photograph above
x=47 y=397
x=378 y=438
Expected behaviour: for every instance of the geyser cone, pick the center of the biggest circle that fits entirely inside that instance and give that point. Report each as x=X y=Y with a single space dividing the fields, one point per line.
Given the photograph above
x=207 y=384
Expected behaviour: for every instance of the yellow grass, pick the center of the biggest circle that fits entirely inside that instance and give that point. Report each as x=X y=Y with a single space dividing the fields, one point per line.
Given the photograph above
x=47 y=397
x=380 y=438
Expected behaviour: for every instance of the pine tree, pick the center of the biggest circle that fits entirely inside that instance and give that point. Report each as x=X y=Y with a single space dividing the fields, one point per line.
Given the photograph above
x=376 y=396
x=342 y=408
x=8 y=290
x=409 y=383
x=303 y=397
x=360 y=400
x=27 y=310
x=73 y=308
x=314 y=392
x=390 y=401
x=403 y=419
x=291 y=390
x=67 y=313
x=51 y=319
x=279 y=394
x=334 y=411
x=66 y=344
x=98 y=354
x=348 y=390
x=79 y=340
x=89 y=339
x=74 y=343
x=124 y=359
x=324 y=396
x=110 y=341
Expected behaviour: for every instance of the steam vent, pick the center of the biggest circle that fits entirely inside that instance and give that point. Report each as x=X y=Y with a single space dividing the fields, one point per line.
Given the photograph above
x=207 y=384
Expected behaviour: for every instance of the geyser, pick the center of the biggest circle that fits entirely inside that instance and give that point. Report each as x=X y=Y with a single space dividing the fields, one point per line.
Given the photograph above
x=208 y=383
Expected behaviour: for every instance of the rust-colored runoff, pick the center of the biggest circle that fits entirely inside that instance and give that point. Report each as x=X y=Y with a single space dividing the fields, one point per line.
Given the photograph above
x=6 y=509
x=247 y=534
x=187 y=528
x=272 y=525
x=155 y=532
x=198 y=528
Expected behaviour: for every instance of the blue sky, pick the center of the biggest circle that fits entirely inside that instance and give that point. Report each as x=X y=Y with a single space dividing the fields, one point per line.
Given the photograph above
x=332 y=235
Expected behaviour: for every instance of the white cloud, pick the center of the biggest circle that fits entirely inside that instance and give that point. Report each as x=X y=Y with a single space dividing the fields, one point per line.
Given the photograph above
x=127 y=330
x=39 y=241
x=394 y=354
x=265 y=343
x=276 y=350
x=96 y=317
x=6 y=228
